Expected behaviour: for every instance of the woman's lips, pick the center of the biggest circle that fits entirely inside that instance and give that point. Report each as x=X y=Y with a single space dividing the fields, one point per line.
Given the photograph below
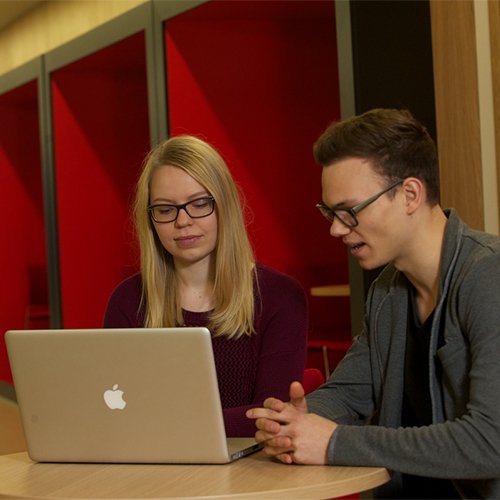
x=187 y=241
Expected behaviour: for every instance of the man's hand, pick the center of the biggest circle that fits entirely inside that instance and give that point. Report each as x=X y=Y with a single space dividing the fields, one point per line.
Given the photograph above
x=289 y=432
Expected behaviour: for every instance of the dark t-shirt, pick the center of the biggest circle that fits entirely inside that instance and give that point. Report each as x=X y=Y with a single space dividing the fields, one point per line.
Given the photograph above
x=417 y=407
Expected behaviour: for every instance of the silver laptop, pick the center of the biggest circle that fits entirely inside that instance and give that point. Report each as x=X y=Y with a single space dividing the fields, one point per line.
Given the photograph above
x=121 y=396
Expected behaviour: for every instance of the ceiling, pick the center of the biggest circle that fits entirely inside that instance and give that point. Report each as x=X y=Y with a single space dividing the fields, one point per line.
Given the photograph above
x=10 y=10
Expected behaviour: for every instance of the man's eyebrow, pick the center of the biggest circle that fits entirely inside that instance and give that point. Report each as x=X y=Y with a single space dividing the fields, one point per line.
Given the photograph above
x=344 y=204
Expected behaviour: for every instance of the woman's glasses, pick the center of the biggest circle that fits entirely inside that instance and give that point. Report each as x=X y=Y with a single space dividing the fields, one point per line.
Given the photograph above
x=196 y=209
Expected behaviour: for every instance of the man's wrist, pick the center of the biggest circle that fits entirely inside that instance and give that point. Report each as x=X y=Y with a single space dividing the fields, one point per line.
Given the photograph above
x=330 y=450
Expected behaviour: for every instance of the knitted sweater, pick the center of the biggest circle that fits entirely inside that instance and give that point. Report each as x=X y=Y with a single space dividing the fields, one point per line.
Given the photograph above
x=250 y=368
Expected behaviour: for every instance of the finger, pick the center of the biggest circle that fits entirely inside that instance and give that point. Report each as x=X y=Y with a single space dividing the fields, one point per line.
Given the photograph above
x=265 y=415
x=296 y=391
x=265 y=437
x=255 y=413
x=278 y=444
x=274 y=404
x=286 y=458
x=297 y=396
x=273 y=451
x=267 y=425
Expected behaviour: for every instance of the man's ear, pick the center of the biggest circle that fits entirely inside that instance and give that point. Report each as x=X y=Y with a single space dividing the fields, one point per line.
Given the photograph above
x=414 y=194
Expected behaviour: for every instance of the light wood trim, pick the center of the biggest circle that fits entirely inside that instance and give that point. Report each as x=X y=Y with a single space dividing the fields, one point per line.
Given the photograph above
x=253 y=477
x=52 y=24
x=457 y=108
x=331 y=291
x=486 y=114
x=494 y=20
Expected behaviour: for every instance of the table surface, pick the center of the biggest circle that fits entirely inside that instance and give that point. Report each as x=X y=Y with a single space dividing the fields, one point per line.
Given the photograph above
x=11 y=430
x=252 y=477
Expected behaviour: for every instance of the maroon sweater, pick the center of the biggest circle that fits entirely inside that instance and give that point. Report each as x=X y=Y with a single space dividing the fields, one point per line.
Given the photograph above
x=249 y=369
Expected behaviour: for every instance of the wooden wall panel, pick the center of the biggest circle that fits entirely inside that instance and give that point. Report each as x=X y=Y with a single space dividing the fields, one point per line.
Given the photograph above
x=52 y=24
x=494 y=18
x=457 y=108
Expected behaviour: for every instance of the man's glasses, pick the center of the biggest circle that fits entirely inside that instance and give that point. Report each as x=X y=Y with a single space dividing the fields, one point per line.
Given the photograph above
x=348 y=215
x=196 y=209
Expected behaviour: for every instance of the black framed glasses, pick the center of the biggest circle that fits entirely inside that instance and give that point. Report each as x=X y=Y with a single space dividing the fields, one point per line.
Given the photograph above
x=348 y=215
x=196 y=209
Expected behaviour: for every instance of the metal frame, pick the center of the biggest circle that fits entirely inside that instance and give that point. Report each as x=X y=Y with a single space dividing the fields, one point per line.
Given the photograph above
x=136 y=20
x=31 y=71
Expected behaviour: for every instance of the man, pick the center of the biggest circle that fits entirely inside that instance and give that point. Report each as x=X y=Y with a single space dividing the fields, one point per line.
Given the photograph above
x=418 y=390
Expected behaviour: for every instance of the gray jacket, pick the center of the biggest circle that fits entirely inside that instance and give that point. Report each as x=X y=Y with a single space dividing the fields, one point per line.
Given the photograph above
x=463 y=443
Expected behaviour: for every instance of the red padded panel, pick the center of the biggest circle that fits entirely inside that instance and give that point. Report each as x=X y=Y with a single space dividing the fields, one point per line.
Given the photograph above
x=101 y=135
x=259 y=80
x=21 y=206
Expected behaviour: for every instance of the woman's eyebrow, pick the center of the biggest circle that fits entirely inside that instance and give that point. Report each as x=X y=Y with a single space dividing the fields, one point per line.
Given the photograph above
x=168 y=201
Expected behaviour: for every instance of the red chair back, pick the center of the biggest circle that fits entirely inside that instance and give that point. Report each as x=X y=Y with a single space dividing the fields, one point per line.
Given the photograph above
x=313 y=378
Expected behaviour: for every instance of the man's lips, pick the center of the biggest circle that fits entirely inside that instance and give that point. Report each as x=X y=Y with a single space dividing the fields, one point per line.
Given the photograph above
x=355 y=248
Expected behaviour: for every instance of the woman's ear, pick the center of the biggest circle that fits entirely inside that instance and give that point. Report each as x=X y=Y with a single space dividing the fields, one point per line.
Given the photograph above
x=414 y=194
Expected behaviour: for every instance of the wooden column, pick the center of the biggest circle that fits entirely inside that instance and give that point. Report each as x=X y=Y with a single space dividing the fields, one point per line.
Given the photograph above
x=494 y=19
x=457 y=108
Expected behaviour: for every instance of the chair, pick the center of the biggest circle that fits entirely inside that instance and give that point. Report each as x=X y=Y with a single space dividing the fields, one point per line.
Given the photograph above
x=37 y=310
x=332 y=351
x=313 y=378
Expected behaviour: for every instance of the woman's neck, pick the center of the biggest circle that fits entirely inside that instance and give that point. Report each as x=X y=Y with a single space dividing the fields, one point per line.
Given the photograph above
x=196 y=286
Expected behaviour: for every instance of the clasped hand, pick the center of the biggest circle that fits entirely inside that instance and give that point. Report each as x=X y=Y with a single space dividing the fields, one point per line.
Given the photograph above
x=289 y=432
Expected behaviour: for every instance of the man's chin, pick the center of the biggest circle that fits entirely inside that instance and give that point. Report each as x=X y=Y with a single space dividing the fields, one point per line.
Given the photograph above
x=370 y=265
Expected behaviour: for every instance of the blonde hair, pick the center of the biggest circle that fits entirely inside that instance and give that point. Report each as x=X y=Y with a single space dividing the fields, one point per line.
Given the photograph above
x=233 y=312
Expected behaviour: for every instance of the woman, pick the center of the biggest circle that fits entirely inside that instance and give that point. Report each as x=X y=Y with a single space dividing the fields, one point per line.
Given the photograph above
x=198 y=269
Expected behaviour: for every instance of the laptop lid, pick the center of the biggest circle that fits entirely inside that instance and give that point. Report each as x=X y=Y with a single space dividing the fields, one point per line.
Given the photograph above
x=120 y=396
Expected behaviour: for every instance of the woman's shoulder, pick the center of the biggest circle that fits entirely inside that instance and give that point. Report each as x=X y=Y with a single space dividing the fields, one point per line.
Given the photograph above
x=272 y=280
x=129 y=288
x=123 y=309
x=282 y=302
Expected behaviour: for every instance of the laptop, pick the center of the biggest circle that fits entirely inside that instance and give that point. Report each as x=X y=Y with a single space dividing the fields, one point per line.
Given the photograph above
x=121 y=396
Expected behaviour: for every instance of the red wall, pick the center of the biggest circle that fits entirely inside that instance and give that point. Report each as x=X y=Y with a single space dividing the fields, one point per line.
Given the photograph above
x=101 y=135
x=260 y=84
x=259 y=81
x=22 y=249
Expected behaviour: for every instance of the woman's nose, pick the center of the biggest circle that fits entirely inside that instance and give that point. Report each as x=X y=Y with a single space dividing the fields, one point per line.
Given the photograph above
x=183 y=217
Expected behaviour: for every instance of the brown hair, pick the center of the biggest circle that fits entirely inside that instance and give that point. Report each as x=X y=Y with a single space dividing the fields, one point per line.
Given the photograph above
x=393 y=140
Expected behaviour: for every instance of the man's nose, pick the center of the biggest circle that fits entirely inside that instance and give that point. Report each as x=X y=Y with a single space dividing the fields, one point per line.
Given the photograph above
x=338 y=228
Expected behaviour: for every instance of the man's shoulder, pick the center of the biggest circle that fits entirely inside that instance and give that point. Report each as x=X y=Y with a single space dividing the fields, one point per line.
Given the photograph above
x=470 y=256
x=473 y=240
x=483 y=242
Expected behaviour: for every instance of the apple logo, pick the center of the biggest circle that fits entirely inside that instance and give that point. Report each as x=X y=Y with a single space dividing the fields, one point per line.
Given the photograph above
x=114 y=398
